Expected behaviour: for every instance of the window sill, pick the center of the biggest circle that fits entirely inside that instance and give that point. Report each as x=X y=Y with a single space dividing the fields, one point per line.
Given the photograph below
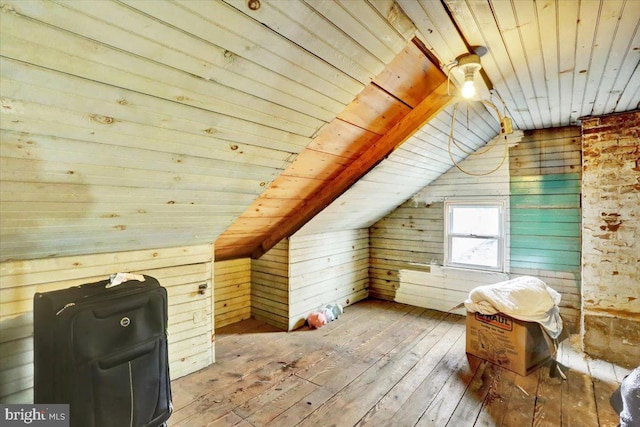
x=445 y=268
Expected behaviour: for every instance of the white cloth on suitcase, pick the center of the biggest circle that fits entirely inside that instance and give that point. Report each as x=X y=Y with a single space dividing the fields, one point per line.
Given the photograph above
x=118 y=278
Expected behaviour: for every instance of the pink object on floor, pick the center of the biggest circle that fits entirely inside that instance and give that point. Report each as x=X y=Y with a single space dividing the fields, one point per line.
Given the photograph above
x=316 y=320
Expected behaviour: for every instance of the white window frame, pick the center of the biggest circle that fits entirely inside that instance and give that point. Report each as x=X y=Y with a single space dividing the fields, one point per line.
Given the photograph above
x=501 y=237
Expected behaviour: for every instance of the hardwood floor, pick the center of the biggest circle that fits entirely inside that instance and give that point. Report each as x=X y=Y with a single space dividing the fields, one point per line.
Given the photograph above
x=384 y=364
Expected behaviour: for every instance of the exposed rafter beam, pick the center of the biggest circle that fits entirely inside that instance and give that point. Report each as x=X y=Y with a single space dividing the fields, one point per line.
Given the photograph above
x=433 y=104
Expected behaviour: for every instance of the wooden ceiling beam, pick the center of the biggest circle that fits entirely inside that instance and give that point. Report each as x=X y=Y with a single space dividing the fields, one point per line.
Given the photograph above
x=430 y=106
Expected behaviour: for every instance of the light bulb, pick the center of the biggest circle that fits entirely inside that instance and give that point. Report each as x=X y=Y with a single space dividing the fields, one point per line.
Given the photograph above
x=469 y=65
x=468 y=89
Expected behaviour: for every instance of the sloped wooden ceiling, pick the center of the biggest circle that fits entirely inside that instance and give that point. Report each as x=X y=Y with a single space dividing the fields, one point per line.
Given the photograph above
x=551 y=61
x=410 y=91
x=133 y=124
x=136 y=124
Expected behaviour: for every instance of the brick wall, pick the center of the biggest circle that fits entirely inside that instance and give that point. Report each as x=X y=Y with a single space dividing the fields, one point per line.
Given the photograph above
x=611 y=237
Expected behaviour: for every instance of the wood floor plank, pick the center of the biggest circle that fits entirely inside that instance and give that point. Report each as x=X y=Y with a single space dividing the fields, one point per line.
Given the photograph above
x=405 y=403
x=370 y=348
x=229 y=420
x=354 y=400
x=494 y=407
x=578 y=400
x=446 y=401
x=246 y=373
x=243 y=327
x=472 y=400
x=548 y=410
x=263 y=408
x=229 y=366
x=230 y=386
x=522 y=401
x=336 y=373
x=242 y=345
x=383 y=364
x=604 y=385
x=351 y=349
x=236 y=348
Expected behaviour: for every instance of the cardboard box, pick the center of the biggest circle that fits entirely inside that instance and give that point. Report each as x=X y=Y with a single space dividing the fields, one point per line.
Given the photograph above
x=513 y=344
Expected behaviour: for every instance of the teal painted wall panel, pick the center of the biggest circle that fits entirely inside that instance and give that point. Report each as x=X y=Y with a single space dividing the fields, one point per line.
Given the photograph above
x=547 y=255
x=558 y=215
x=551 y=177
x=543 y=230
x=546 y=184
x=538 y=201
x=532 y=263
x=551 y=243
x=545 y=222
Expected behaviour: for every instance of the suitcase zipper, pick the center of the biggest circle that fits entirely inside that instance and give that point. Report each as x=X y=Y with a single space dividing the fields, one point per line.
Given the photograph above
x=93 y=300
x=131 y=390
x=71 y=304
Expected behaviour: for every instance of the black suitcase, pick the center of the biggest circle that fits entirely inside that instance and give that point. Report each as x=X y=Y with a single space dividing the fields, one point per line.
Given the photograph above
x=103 y=351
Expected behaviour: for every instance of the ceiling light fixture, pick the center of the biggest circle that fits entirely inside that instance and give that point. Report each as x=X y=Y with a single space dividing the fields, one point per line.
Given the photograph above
x=469 y=64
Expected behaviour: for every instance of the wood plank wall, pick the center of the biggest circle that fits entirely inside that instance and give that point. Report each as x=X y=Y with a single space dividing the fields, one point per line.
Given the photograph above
x=406 y=243
x=270 y=286
x=545 y=222
x=232 y=291
x=545 y=170
x=147 y=125
x=441 y=288
x=302 y=274
x=410 y=238
x=407 y=246
x=327 y=268
x=181 y=270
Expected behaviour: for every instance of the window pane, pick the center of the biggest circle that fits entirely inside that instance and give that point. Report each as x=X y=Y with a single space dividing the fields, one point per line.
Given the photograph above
x=467 y=250
x=479 y=221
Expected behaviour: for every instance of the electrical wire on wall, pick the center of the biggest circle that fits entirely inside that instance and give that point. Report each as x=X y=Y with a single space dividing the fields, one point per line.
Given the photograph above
x=469 y=64
x=506 y=127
